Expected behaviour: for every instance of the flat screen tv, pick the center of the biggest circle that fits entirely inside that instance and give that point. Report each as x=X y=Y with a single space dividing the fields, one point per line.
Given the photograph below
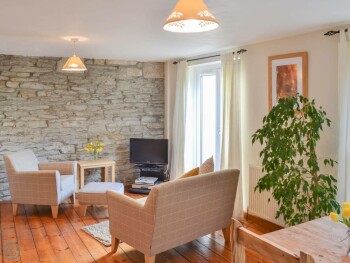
x=149 y=151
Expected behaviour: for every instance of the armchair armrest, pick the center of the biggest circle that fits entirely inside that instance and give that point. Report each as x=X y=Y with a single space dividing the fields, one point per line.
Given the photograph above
x=130 y=220
x=65 y=168
x=35 y=187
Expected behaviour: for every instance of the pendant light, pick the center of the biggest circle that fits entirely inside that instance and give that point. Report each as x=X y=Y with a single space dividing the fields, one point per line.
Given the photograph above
x=190 y=16
x=74 y=63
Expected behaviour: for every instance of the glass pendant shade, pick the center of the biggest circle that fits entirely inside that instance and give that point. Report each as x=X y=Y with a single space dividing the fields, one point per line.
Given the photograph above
x=74 y=63
x=190 y=16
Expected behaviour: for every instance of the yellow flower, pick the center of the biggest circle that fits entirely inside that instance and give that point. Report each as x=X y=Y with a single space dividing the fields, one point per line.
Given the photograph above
x=346 y=212
x=94 y=147
x=88 y=149
x=346 y=205
x=334 y=217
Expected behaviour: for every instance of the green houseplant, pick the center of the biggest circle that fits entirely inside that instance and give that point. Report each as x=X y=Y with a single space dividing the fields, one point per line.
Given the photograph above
x=291 y=168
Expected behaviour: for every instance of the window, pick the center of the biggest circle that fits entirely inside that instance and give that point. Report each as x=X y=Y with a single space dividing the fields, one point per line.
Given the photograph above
x=203 y=115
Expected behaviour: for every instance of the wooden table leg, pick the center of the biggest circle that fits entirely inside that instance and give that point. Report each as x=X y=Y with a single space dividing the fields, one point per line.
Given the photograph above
x=113 y=173
x=104 y=172
x=82 y=175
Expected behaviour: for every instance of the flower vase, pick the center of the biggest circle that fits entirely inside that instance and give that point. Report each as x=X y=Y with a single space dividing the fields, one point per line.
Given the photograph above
x=95 y=155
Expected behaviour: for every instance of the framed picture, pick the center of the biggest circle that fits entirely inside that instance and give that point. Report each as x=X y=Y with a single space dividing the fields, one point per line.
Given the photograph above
x=287 y=76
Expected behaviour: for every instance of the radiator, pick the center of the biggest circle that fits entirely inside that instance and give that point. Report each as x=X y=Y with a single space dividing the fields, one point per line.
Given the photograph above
x=258 y=202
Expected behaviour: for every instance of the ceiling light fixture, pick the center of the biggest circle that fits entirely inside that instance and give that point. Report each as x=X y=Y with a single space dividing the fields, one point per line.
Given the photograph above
x=74 y=63
x=190 y=16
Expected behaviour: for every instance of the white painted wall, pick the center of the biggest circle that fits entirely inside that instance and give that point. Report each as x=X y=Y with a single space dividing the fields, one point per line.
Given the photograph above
x=322 y=52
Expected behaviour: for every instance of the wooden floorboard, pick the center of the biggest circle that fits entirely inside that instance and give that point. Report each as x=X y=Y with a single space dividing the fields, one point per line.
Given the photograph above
x=8 y=230
x=173 y=256
x=25 y=237
x=41 y=239
x=207 y=253
x=215 y=247
x=1 y=255
x=95 y=248
x=190 y=255
x=44 y=239
x=77 y=246
x=61 y=249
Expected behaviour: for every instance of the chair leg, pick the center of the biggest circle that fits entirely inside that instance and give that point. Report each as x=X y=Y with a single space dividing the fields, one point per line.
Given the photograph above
x=72 y=199
x=227 y=233
x=82 y=210
x=54 y=211
x=149 y=259
x=115 y=244
x=14 y=209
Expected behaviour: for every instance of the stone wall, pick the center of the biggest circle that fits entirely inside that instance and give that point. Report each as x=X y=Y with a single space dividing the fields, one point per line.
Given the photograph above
x=55 y=114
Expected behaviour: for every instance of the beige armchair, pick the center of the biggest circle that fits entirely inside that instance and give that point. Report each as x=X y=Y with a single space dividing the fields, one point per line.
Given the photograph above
x=174 y=213
x=37 y=183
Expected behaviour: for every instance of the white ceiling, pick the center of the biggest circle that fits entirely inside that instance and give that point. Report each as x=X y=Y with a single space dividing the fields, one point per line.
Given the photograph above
x=132 y=29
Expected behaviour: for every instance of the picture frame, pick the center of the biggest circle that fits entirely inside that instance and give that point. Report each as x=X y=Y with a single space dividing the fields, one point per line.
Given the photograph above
x=288 y=75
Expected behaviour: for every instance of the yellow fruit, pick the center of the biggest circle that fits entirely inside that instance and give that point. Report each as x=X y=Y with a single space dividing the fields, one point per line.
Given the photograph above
x=334 y=217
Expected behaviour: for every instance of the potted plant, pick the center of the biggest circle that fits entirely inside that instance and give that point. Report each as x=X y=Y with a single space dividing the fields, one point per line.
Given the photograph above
x=291 y=166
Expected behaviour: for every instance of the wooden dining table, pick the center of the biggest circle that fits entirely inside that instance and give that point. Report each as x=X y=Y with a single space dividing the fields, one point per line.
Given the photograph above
x=322 y=238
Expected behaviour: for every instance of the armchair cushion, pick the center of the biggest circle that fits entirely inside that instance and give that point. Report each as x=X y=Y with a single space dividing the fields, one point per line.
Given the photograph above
x=21 y=161
x=66 y=181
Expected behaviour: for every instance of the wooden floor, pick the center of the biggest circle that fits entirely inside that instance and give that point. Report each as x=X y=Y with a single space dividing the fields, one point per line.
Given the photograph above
x=43 y=239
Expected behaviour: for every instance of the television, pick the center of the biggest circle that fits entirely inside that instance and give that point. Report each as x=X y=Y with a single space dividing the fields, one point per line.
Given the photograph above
x=149 y=151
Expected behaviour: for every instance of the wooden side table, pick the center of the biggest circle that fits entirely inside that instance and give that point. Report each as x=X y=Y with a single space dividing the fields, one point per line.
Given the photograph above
x=104 y=164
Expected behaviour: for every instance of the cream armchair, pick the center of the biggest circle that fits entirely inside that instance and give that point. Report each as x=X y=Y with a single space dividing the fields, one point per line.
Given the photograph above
x=37 y=183
x=174 y=213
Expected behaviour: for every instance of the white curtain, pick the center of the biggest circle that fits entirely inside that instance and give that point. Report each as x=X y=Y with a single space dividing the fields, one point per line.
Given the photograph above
x=179 y=121
x=344 y=117
x=231 y=148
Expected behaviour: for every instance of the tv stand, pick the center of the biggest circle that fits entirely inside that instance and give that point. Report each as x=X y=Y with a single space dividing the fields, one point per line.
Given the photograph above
x=158 y=171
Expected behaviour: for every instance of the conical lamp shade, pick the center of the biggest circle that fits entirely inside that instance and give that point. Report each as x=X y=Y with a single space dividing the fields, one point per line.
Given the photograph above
x=190 y=16
x=74 y=64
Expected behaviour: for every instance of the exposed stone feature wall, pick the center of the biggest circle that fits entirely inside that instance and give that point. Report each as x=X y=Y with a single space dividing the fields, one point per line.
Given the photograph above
x=55 y=113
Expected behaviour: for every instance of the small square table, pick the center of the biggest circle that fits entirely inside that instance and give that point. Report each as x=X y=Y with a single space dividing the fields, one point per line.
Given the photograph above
x=321 y=238
x=104 y=164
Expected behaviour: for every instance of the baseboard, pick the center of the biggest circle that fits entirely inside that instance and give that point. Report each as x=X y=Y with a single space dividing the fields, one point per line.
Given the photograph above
x=261 y=221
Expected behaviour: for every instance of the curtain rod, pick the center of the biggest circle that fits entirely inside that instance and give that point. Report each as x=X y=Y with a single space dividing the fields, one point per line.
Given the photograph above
x=332 y=32
x=189 y=60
